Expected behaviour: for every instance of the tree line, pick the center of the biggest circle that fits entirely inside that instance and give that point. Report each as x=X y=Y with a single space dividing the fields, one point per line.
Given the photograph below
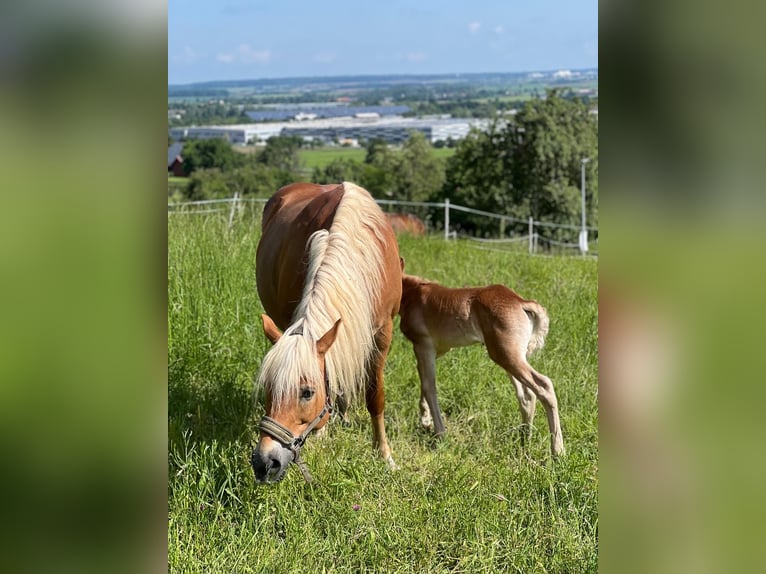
x=528 y=164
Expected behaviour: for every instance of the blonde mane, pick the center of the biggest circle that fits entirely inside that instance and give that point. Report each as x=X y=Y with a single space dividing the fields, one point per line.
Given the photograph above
x=343 y=281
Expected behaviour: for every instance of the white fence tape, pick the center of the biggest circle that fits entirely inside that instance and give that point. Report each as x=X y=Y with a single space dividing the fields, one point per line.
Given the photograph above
x=189 y=207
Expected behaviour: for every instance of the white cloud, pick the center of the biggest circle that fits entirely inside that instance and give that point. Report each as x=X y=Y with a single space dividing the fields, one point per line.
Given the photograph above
x=246 y=55
x=473 y=27
x=249 y=56
x=189 y=56
x=325 y=57
x=499 y=30
x=415 y=57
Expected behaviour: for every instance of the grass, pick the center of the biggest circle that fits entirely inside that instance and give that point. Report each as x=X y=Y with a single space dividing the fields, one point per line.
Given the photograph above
x=478 y=501
x=321 y=157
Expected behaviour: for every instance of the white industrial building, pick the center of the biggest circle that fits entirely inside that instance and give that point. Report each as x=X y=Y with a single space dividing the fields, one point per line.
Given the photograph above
x=393 y=129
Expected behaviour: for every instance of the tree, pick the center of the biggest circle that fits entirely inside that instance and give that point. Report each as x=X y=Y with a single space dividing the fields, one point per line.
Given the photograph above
x=377 y=152
x=528 y=165
x=553 y=136
x=206 y=184
x=339 y=170
x=215 y=153
x=381 y=165
x=370 y=177
x=249 y=181
x=281 y=152
x=412 y=174
x=417 y=174
x=478 y=176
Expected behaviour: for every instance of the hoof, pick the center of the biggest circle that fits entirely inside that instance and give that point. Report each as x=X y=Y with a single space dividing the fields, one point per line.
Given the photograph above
x=558 y=450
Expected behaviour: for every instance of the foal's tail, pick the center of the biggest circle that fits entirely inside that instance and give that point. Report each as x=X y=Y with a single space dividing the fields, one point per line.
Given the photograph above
x=540 y=323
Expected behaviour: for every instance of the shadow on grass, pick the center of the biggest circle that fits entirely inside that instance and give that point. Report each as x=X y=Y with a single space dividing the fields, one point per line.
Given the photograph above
x=206 y=408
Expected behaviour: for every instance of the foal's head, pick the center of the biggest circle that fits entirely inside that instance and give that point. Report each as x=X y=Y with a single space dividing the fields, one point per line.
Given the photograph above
x=295 y=379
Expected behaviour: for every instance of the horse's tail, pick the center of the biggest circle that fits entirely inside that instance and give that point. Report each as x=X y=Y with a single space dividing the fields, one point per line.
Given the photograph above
x=540 y=323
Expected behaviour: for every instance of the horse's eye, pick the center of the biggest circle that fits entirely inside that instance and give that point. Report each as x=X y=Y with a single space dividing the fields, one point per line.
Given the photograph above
x=306 y=394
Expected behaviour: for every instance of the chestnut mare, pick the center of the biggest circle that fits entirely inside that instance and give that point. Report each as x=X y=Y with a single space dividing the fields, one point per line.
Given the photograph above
x=436 y=319
x=328 y=275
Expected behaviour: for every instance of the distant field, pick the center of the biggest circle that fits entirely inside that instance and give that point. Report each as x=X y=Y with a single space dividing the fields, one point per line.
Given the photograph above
x=312 y=158
x=478 y=501
x=443 y=152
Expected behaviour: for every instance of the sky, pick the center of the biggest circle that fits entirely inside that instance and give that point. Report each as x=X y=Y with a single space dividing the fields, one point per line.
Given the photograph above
x=250 y=39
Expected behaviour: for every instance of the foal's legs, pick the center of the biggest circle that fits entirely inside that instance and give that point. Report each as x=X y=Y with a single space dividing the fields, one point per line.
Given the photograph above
x=375 y=394
x=426 y=357
x=527 y=402
x=513 y=360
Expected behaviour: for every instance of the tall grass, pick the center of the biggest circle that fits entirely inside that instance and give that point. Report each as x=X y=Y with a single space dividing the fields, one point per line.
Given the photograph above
x=478 y=501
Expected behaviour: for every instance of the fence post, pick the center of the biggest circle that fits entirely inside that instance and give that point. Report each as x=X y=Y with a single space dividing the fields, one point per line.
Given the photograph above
x=233 y=207
x=446 y=218
x=531 y=232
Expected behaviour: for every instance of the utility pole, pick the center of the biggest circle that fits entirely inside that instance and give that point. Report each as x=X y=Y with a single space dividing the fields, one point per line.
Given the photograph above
x=583 y=229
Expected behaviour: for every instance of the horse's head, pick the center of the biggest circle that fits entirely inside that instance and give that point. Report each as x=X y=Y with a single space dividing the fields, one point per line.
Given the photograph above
x=296 y=382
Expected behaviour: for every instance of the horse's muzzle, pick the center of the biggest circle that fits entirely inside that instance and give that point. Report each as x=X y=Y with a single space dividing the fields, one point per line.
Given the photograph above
x=270 y=465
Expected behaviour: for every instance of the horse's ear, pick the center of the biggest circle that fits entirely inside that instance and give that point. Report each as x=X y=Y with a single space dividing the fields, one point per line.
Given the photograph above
x=270 y=329
x=401 y=263
x=325 y=341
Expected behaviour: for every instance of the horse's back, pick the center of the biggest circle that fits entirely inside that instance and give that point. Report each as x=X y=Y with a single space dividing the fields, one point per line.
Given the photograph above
x=290 y=216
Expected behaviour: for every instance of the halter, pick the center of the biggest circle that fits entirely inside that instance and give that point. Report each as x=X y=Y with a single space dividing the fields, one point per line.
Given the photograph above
x=285 y=437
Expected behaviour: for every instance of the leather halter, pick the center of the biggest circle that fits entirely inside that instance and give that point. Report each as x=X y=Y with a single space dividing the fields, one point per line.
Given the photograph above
x=285 y=437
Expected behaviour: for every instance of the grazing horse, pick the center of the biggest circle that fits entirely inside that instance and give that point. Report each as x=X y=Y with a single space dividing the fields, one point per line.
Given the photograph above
x=436 y=319
x=329 y=277
x=407 y=223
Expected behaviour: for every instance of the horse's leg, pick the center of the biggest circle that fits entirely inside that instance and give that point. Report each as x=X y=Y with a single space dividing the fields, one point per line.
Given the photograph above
x=375 y=396
x=527 y=402
x=341 y=406
x=426 y=357
x=515 y=363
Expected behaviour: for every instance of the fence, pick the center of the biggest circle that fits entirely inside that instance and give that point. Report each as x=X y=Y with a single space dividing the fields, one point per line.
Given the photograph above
x=437 y=217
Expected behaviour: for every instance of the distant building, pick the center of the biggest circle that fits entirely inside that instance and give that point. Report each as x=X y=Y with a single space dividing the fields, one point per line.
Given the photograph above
x=392 y=129
x=209 y=132
x=175 y=160
x=369 y=116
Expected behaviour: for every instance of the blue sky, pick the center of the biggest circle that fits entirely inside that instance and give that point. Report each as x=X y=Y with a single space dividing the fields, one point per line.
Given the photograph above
x=248 y=39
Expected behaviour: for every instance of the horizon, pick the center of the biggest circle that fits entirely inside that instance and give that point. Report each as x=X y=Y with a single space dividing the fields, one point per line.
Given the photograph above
x=236 y=40
x=381 y=75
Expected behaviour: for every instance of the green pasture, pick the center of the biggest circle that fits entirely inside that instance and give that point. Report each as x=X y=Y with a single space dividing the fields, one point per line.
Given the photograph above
x=478 y=501
x=321 y=157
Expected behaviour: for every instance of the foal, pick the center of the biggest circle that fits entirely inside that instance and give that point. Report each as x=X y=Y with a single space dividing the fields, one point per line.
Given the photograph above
x=436 y=319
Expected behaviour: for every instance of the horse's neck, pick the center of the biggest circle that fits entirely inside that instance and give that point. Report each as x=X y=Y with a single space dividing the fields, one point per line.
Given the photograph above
x=412 y=285
x=409 y=286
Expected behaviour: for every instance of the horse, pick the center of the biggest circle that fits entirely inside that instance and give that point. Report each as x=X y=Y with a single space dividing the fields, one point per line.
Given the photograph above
x=436 y=319
x=407 y=223
x=329 y=278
